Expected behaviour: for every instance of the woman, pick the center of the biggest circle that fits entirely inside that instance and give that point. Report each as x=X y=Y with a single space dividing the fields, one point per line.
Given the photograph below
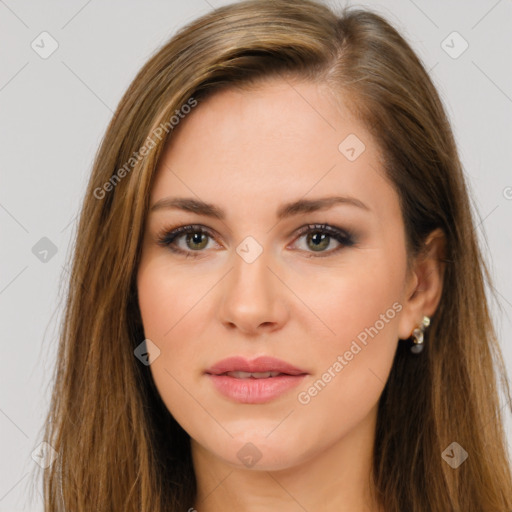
x=277 y=297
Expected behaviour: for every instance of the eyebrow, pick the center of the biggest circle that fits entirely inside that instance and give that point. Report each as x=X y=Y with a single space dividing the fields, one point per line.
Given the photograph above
x=286 y=210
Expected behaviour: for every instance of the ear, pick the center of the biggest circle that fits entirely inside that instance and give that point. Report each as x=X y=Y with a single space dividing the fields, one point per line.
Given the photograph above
x=424 y=285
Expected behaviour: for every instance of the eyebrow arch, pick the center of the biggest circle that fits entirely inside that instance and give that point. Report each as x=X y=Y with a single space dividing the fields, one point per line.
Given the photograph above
x=286 y=210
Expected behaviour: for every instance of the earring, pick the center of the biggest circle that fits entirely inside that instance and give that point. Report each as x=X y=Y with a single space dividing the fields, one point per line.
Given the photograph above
x=418 y=336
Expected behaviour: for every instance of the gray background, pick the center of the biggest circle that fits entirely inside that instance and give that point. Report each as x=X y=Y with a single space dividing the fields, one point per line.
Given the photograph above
x=54 y=112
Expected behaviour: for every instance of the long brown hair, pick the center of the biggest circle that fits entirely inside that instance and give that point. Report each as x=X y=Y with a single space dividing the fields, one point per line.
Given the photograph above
x=118 y=446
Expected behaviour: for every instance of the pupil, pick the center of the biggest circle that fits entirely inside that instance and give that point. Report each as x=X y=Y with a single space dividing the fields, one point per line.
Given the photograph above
x=197 y=238
x=320 y=240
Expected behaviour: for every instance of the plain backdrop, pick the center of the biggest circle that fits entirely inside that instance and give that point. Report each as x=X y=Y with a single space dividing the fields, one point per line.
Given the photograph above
x=55 y=109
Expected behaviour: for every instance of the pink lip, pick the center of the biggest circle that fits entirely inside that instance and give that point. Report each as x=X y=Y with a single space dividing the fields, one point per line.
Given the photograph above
x=253 y=390
x=260 y=364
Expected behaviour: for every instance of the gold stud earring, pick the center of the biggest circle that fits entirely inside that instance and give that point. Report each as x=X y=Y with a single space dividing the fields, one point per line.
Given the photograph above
x=418 y=335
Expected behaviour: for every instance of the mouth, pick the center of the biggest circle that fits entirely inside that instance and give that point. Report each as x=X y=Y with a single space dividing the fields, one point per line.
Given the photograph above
x=253 y=375
x=262 y=367
x=254 y=381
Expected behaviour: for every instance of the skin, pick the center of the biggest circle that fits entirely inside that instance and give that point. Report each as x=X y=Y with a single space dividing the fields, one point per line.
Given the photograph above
x=248 y=152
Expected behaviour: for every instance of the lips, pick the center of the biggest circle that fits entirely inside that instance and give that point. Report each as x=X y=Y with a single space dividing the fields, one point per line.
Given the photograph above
x=254 y=382
x=254 y=375
x=258 y=368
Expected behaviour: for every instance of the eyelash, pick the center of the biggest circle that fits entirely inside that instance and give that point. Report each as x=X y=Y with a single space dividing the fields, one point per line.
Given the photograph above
x=167 y=237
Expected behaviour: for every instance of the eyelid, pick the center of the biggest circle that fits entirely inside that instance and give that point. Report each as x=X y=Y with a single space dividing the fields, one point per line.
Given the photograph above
x=344 y=237
x=166 y=236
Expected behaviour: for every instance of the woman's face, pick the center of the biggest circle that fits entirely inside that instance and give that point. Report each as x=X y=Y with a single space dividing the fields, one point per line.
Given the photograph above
x=253 y=169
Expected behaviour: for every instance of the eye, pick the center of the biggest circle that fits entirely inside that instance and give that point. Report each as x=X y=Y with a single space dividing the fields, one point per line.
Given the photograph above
x=318 y=237
x=195 y=239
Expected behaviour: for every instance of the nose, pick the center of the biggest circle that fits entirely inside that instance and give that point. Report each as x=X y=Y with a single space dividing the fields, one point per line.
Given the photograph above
x=253 y=297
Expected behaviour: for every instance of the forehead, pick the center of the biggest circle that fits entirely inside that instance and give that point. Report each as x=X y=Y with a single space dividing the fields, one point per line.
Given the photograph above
x=281 y=141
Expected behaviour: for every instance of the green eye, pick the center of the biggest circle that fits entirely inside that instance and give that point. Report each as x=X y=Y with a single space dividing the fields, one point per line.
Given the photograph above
x=320 y=241
x=196 y=241
x=318 y=238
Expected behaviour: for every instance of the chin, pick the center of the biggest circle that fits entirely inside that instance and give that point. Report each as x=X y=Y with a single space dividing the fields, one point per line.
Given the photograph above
x=259 y=450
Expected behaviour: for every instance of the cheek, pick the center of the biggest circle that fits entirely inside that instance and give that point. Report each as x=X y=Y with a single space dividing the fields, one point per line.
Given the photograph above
x=358 y=302
x=173 y=308
x=167 y=297
x=361 y=309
